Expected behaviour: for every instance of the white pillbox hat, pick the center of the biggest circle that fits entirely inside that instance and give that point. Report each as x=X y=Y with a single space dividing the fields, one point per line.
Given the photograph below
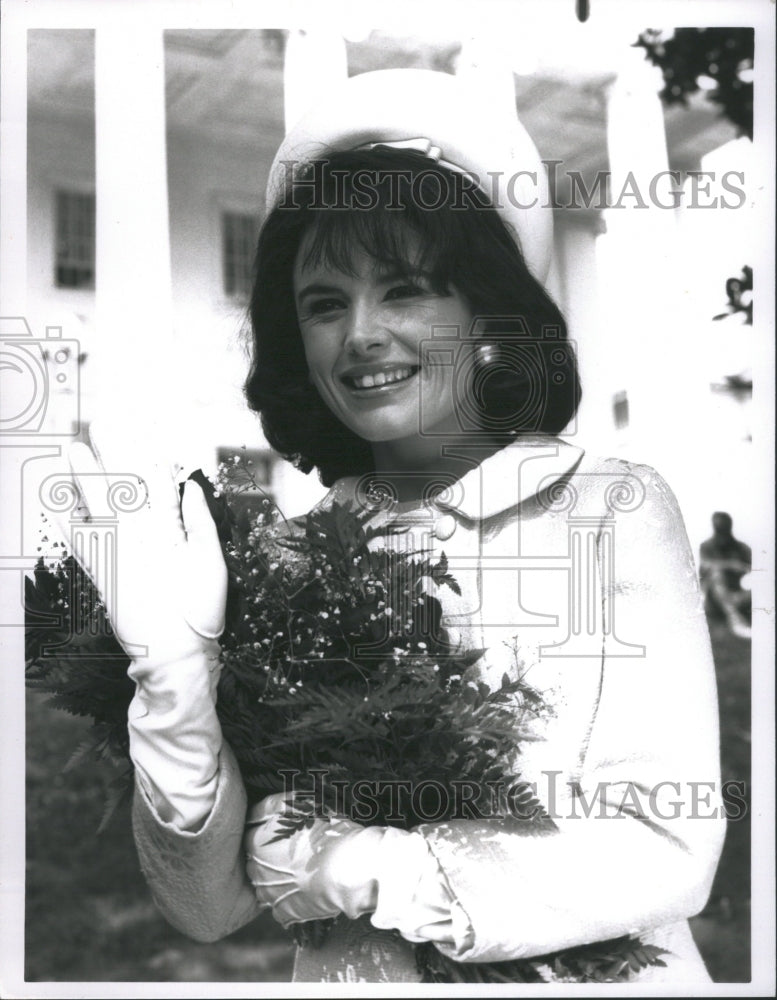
x=448 y=120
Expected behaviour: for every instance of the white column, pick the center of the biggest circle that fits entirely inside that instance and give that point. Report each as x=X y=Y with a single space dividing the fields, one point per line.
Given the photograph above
x=578 y=295
x=133 y=282
x=640 y=275
x=314 y=61
x=13 y=176
x=487 y=65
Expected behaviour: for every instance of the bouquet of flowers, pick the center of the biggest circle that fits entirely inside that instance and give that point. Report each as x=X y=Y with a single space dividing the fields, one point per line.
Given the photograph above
x=335 y=662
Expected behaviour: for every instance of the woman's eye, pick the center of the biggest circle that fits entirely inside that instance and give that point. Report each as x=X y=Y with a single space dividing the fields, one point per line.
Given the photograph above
x=320 y=307
x=405 y=291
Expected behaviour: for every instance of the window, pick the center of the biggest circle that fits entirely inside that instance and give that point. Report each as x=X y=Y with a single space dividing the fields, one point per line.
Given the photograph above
x=75 y=255
x=238 y=243
x=620 y=410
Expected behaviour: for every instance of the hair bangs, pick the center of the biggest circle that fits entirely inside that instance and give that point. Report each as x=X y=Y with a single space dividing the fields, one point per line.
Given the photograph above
x=393 y=229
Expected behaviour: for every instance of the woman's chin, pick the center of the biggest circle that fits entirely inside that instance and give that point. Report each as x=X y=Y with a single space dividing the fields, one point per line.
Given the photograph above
x=383 y=434
x=377 y=421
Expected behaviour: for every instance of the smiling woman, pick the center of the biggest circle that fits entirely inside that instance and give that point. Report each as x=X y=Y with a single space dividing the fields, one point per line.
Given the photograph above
x=403 y=339
x=358 y=292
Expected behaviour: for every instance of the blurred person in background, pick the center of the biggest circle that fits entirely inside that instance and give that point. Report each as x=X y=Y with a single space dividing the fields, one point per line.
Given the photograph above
x=724 y=568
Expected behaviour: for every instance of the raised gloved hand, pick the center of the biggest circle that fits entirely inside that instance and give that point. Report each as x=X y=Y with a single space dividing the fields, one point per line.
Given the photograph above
x=164 y=588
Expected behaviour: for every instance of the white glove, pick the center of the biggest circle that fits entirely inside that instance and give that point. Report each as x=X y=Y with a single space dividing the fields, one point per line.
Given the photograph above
x=165 y=596
x=337 y=866
x=322 y=870
x=166 y=593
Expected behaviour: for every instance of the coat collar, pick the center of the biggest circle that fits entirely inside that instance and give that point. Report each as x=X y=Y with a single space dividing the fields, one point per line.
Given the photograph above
x=521 y=470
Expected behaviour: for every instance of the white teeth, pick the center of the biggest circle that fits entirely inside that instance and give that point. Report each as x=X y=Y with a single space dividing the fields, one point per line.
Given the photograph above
x=381 y=378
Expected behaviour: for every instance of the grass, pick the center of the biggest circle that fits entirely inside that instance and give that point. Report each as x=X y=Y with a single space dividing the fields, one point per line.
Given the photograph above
x=89 y=916
x=722 y=930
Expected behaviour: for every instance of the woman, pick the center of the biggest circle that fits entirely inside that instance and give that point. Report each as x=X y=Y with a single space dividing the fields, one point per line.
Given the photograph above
x=403 y=336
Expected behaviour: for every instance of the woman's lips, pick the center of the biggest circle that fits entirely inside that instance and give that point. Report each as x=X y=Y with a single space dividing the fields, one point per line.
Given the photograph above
x=381 y=379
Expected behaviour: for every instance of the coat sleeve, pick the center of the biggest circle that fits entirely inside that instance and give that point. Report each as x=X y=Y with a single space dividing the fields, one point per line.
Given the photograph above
x=640 y=824
x=198 y=880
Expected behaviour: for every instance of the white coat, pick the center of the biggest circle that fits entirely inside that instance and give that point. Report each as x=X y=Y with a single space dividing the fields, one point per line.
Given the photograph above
x=577 y=572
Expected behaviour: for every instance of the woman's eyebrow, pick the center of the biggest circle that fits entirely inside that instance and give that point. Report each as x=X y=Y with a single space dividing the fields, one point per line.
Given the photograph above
x=317 y=288
x=396 y=273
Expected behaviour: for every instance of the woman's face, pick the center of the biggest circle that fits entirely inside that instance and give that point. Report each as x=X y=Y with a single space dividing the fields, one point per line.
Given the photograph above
x=366 y=342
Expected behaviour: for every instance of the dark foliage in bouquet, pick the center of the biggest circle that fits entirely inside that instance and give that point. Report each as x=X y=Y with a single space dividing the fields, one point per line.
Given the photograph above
x=614 y=961
x=335 y=662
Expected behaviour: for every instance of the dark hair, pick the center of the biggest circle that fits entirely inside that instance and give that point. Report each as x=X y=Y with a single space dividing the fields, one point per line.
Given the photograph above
x=378 y=201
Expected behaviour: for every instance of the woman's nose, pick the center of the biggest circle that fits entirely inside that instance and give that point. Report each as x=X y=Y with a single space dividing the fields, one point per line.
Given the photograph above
x=366 y=331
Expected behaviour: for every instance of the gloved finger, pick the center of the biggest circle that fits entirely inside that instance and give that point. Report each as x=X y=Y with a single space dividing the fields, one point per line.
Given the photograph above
x=275 y=830
x=61 y=501
x=119 y=500
x=106 y=495
x=272 y=805
x=263 y=823
x=90 y=488
x=89 y=479
x=132 y=453
x=276 y=883
x=204 y=572
x=286 y=920
x=288 y=912
x=338 y=826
